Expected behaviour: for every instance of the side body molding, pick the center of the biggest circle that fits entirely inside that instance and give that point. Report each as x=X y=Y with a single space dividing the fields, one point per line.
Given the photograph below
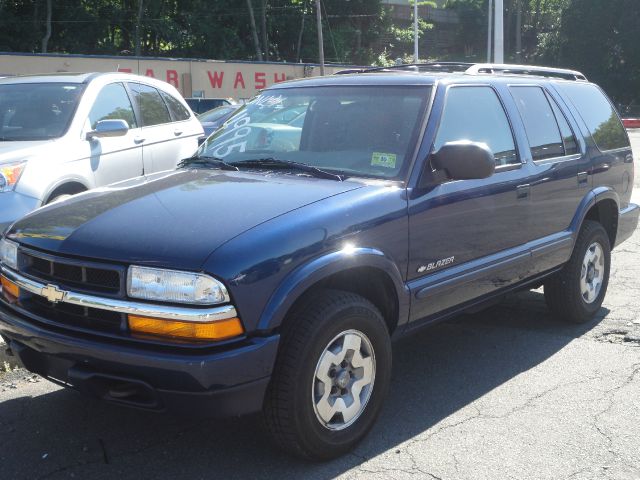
x=305 y=276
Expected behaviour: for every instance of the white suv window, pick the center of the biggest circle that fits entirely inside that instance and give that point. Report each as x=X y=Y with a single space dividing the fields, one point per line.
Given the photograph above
x=113 y=104
x=178 y=111
x=152 y=108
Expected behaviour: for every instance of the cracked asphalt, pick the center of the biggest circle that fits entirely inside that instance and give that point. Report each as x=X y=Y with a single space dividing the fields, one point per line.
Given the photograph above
x=506 y=393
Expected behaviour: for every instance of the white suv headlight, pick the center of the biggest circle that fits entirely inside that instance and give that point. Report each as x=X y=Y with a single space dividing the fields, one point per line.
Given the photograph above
x=10 y=174
x=174 y=286
x=9 y=253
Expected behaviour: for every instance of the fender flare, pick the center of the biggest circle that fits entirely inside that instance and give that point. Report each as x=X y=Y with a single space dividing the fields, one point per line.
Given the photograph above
x=592 y=198
x=309 y=274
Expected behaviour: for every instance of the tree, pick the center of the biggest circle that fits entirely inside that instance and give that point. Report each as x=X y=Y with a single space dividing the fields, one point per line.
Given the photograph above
x=254 y=31
x=47 y=36
x=601 y=40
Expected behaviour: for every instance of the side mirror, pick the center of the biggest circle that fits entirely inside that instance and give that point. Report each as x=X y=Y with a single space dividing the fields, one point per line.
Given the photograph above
x=109 y=128
x=464 y=160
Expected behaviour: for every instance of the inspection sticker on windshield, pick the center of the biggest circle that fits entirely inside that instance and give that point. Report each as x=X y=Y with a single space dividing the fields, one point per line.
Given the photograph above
x=387 y=160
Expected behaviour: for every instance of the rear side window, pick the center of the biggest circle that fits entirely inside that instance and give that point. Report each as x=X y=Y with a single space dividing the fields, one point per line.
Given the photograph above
x=152 y=108
x=539 y=122
x=597 y=112
x=112 y=103
x=178 y=111
x=568 y=138
x=476 y=114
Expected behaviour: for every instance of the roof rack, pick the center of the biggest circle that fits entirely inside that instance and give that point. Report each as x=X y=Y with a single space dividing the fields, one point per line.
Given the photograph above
x=447 y=67
x=475 y=69
x=507 y=69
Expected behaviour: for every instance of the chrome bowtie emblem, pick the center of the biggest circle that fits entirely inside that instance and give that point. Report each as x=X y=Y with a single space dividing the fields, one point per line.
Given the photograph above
x=53 y=293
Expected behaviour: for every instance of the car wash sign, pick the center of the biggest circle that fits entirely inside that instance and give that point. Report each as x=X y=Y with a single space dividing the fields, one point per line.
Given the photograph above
x=207 y=78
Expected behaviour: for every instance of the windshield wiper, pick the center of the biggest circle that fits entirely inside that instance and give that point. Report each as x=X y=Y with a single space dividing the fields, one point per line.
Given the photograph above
x=208 y=161
x=271 y=162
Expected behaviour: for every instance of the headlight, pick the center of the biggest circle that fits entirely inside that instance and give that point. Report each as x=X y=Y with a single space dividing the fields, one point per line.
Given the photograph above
x=10 y=174
x=174 y=286
x=9 y=253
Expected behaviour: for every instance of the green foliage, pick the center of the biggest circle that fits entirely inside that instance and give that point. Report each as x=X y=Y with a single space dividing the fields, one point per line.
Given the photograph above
x=195 y=28
x=601 y=39
x=471 y=29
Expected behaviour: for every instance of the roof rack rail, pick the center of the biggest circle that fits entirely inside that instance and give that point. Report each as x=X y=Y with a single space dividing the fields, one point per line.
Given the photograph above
x=475 y=69
x=507 y=69
x=448 y=67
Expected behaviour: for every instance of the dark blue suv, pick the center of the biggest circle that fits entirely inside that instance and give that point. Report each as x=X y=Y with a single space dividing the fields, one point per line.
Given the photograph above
x=326 y=217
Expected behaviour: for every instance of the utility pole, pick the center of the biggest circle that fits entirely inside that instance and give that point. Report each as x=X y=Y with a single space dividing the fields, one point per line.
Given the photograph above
x=265 y=34
x=137 y=47
x=320 y=41
x=498 y=47
x=519 y=31
x=415 y=31
x=254 y=31
x=490 y=31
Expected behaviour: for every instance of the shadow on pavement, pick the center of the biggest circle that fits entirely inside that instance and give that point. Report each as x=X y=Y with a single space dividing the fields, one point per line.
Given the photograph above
x=436 y=372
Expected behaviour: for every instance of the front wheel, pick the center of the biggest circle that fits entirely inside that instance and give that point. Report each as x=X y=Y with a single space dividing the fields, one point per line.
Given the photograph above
x=576 y=293
x=331 y=376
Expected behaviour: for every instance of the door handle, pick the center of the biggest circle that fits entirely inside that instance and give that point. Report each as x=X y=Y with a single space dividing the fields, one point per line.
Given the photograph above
x=138 y=140
x=177 y=133
x=583 y=177
x=522 y=191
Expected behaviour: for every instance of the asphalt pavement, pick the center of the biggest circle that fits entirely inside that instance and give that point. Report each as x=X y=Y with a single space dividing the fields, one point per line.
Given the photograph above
x=507 y=393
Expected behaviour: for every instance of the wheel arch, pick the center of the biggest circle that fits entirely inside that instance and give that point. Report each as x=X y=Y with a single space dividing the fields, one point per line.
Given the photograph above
x=365 y=271
x=69 y=186
x=602 y=205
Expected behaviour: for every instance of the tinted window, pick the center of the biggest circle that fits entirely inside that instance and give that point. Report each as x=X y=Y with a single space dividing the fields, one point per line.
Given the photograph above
x=178 y=111
x=568 y=138
x=152 y=108
x=36 y=111
x=598 y=114
x=476 y=114
x=215 y=114
x=112 y=103
x=539 y=122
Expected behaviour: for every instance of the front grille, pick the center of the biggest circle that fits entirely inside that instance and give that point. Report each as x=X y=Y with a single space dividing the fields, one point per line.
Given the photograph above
x=86 y=277
x=75 y=315
x=72 y=274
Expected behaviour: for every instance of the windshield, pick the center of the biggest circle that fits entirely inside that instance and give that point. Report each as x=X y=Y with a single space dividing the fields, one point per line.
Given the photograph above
x=215 y=114
x=354 y=130
x=36 y=111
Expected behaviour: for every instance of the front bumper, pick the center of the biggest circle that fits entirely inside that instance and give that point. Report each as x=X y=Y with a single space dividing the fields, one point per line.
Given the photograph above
x=627 y=222
x=13 y=206
x=225 y=382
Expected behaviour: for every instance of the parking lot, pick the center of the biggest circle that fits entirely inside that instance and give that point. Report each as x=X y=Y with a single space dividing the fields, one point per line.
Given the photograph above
x=505 y=393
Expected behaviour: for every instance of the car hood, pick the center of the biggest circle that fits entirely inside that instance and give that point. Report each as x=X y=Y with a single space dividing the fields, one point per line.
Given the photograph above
x=175 y=219
x=12 y=151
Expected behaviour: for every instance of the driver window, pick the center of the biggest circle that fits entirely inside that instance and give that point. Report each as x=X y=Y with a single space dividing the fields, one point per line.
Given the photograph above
x=476 y=114
x=112 y=104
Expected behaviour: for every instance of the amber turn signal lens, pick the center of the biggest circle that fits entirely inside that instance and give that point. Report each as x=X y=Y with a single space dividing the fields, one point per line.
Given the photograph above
x=9 y=287
x=218 y=330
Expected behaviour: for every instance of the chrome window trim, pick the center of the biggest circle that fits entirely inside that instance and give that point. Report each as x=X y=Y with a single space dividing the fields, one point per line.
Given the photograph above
x=168 y=312
x=561 y=159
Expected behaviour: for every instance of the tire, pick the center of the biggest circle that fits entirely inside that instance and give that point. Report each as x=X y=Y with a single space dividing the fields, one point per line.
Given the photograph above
x=293 y=408
x=59 y=198
x=569 y=294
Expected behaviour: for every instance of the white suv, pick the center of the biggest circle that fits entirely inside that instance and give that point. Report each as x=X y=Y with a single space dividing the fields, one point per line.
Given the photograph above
x=62 y=134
